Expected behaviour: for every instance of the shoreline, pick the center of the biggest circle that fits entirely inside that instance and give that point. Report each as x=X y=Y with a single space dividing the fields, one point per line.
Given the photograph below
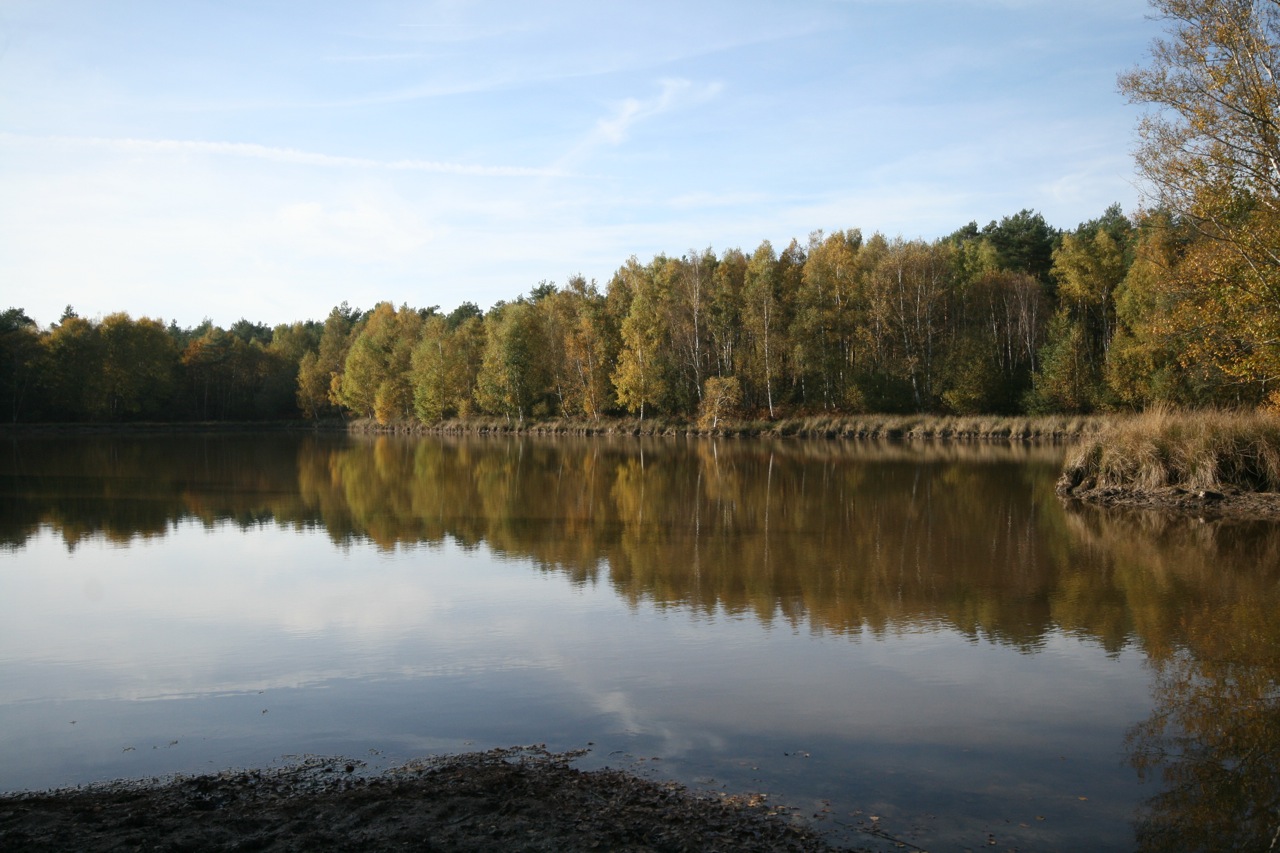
x=1207 y=505
x=515 y=799
x=1051 y=428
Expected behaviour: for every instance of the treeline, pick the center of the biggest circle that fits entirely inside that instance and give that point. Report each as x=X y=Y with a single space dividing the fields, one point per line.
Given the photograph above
x=120 y=369
x=1014 y=317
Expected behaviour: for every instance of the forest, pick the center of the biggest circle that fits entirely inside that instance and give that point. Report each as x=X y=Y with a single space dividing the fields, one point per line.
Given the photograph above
x=1010 y=318
x=1178 y=304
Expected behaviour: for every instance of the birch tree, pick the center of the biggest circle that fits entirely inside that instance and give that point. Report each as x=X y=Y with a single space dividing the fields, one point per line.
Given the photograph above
x=1210 y=150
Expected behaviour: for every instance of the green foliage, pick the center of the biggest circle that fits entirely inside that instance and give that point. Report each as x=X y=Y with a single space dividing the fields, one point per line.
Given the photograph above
x=139 y=368
x=762 y=320
x=250 y=332
x=514 y=372
x=1023 y=243
x=444 y=367
x=74 y=357
x=1144 y=365
x=975 y=382
x=464 y=312
x=320 y=375
x=225 y=376
x=824 y=325
x=1088 y=267
x=20 y=365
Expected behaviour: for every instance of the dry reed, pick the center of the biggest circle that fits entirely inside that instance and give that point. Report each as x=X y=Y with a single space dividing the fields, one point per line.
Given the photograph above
x=1204 y=450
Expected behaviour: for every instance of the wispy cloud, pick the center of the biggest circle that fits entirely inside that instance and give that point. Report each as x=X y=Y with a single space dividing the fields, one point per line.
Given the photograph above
x=293 y=156
x=631 y=111
x=615 y=128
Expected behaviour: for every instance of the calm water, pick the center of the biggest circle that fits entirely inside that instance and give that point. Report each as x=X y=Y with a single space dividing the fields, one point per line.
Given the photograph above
x=917 y=638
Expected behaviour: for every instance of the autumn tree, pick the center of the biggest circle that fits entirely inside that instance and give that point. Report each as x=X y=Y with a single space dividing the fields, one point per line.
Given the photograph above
x=138 y=371
x=641 y=378
x=1210 y=150
x=907 y=306
x=720 y=400
x=557 y=315
x=724 y=310
x=791 y=263
x=690 y=286
x=762 y=312
x=73 y=355
x=873 y=384
x=590 y=348
x=376 y=380
x=320 y=373
x=514 y=372
x=1000 y=322
x=824 y=346
x=290 y=343
x=1158 y=353
x=444 y=366
x=222 y=373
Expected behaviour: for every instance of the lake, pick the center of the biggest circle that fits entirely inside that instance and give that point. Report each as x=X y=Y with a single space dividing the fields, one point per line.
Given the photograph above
x=913 y=642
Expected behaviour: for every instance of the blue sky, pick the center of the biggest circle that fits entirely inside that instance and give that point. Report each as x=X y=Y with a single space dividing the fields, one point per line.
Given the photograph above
x=190 y=158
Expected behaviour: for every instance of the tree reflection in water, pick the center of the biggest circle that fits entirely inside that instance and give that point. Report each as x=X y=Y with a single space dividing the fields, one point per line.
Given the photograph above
x=841 y=538
x=1213 y=739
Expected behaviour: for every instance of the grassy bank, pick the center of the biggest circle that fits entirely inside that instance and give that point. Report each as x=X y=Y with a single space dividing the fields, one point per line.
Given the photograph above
x=1199 y=451
x=977 y=427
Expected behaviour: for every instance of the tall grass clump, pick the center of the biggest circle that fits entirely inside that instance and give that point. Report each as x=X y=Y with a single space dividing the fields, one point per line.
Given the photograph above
x=1204 y=450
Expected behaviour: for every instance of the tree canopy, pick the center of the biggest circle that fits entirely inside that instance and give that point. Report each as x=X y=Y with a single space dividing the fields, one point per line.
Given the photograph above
x=1210 y=150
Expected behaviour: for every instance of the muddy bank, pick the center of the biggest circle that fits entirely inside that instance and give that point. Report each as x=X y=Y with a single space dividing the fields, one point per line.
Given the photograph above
x=1230 y=504
x=510 y=800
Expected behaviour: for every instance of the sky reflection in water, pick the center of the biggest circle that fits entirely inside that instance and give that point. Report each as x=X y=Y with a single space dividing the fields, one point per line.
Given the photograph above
x=929 y=639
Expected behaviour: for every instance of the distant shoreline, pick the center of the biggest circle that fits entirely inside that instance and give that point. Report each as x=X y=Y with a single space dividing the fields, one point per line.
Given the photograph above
x=933 y=427
x=819 y=427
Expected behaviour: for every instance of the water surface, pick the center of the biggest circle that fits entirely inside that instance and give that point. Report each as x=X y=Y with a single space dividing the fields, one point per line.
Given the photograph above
x=919 y=638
